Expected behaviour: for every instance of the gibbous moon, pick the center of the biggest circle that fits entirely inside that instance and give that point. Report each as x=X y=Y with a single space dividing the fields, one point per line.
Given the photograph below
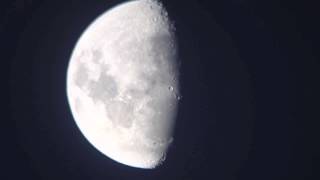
x=123 y=83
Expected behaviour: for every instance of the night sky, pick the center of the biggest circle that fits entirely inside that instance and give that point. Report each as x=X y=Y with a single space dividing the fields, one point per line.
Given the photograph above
x=250 y=83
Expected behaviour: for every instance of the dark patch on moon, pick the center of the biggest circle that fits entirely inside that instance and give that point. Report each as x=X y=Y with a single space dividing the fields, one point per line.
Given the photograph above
x=116 y=113
x=104 y=89
x=164 y=58
x=160 y=46
x=96 y=55
x=135 y=93
x=77 y=105
x=104 y=68
x=81 y=75
x=162 y=118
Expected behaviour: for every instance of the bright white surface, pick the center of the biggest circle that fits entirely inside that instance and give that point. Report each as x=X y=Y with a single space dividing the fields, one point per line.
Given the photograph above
x=122 y=83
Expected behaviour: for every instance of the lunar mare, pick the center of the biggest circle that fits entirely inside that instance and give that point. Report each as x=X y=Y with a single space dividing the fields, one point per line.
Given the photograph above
x=123 y=83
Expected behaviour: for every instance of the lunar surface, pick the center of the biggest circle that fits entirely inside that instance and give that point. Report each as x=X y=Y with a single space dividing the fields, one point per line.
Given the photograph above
x=123 y=83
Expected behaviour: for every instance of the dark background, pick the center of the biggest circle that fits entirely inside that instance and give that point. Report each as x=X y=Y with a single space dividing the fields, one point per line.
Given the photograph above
x=249 y=80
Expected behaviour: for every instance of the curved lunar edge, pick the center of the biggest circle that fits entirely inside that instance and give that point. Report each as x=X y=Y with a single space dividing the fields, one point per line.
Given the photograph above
x=123 y=85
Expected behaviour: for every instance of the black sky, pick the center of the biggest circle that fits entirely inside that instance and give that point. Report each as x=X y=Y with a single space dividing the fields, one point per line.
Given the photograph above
x=250 y=86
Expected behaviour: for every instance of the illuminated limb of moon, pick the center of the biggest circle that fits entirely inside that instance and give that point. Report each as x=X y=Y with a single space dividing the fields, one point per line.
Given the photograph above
x=122 y=83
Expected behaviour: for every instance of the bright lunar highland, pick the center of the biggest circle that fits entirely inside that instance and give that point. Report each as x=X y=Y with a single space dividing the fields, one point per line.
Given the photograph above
x=123 y=83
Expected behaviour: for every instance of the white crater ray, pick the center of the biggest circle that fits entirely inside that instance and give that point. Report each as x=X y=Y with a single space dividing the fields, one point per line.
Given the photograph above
x=123 y=84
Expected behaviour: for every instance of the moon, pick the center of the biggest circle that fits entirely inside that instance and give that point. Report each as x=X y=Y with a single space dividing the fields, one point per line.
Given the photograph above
x=123 y=83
